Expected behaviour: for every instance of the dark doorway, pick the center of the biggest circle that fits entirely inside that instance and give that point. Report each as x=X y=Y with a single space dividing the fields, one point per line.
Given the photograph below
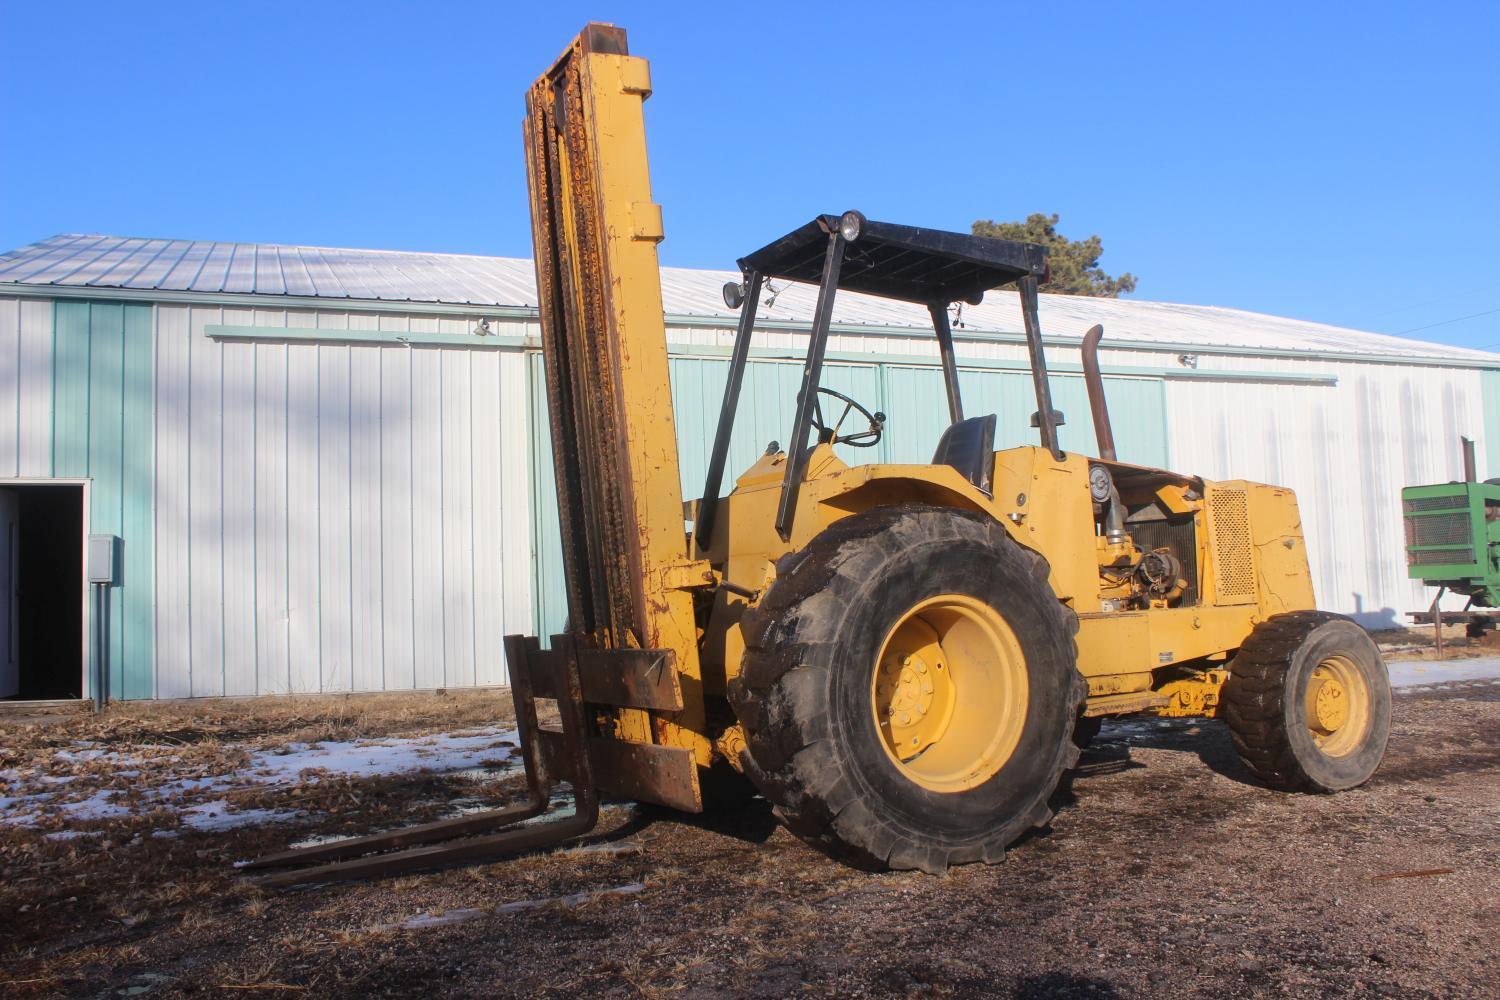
x=41 y=591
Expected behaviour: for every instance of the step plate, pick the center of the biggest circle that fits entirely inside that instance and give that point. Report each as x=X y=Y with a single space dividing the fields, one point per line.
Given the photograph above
x=1124 y=704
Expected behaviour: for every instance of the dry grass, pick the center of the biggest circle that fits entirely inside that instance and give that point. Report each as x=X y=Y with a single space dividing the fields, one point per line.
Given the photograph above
x=249 y=721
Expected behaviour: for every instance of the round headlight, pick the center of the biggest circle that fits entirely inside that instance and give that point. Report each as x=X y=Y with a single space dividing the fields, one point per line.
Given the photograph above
x=851 y=224
x=734 y=294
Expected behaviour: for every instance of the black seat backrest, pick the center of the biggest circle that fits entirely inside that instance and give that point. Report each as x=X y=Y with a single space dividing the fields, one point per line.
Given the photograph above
x=969 y=446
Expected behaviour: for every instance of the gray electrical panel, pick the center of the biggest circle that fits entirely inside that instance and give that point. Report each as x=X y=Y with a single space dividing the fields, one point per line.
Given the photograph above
x=103 y=558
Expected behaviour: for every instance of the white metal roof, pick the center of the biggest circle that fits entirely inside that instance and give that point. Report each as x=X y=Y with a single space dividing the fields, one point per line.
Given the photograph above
x=108 y=262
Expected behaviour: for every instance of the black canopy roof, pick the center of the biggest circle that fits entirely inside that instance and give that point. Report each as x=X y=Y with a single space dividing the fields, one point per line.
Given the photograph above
x=901 y=262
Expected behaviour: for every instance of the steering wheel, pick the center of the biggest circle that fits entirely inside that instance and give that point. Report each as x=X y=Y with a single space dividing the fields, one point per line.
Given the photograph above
x=867 y=438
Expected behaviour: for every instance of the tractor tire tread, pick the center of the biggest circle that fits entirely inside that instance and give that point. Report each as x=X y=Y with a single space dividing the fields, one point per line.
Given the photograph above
x=778 y=694
x=1253 y=698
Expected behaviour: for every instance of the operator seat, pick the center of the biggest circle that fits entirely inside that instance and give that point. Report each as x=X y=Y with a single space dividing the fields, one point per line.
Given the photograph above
x=969 y=447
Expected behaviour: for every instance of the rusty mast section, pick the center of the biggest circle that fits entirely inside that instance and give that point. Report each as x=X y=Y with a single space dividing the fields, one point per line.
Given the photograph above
x=595 y=230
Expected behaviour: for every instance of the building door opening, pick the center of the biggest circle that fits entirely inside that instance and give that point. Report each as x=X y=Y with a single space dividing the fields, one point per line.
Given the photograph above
x=41 y=591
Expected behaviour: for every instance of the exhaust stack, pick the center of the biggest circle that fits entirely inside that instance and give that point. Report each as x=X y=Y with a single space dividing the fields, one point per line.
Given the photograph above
x=1095 y=382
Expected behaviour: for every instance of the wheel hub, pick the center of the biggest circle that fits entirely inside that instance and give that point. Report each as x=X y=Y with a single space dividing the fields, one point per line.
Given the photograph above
x=1330 y=705
x=916 y=687
x=949 y=693
x=1337 y=706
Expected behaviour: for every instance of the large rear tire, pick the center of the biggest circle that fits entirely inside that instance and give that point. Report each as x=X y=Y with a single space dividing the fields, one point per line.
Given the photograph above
x=909 y=689
x=1308 y=703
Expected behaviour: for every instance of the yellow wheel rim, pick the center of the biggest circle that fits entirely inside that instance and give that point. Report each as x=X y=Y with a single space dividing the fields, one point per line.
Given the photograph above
x=949 y=693
x=1337 y=705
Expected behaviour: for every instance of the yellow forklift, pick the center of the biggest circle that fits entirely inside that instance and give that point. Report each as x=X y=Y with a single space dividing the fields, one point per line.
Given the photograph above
x=903 y=659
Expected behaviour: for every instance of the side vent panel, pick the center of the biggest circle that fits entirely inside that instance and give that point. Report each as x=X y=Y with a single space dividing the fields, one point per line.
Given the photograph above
x=1229 y=534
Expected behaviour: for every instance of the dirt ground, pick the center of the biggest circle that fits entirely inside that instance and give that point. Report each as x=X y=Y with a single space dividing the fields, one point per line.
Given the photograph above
x=1419 y=643
x=1167 y=872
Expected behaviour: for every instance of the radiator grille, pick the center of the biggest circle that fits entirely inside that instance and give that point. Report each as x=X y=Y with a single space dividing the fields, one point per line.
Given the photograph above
x=1234 y=564
x=1439 y=529
x=1432 y=557
x=1458 y=501
x=1178 y=535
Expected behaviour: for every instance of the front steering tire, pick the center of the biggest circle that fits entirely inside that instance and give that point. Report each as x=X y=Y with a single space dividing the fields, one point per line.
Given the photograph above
x=1308 y=703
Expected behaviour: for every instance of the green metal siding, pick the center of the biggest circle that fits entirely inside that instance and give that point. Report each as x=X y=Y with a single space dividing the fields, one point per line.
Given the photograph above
x=912 y=398
x=765 y=413
x=102 y=430
x=915 y=404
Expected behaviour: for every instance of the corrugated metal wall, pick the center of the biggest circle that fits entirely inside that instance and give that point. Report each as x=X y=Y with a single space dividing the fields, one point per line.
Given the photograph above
x=336 y=516
x=1347 y=450
x=76 y=403
x=329 y=515
x=25 y=387
x=102 y=431
x=297 y=516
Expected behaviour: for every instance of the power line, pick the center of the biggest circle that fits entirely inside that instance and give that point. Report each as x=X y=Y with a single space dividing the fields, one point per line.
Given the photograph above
x=1456 y=319
x=1448 y=297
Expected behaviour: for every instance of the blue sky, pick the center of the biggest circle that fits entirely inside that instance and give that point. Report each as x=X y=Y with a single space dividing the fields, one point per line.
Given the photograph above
x=1334 y=162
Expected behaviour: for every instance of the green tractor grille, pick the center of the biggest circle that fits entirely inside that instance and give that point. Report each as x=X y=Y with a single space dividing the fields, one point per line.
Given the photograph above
x=1453 y=537
x=1452 y=531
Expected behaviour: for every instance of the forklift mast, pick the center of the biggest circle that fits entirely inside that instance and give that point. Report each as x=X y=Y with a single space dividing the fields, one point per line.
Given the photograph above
x=626 y=677
x=595 y=230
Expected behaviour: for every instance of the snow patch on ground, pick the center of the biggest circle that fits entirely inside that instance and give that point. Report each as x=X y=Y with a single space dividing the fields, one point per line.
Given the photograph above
x=96 y=807
x=214 y=816
x=368 y=758
x=44 y=796
x=1420 y=673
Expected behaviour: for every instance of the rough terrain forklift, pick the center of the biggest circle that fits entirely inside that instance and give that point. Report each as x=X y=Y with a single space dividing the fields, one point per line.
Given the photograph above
x=902 y=659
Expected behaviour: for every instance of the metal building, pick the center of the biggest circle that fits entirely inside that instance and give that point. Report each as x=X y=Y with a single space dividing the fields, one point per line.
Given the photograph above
x=328 y=469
